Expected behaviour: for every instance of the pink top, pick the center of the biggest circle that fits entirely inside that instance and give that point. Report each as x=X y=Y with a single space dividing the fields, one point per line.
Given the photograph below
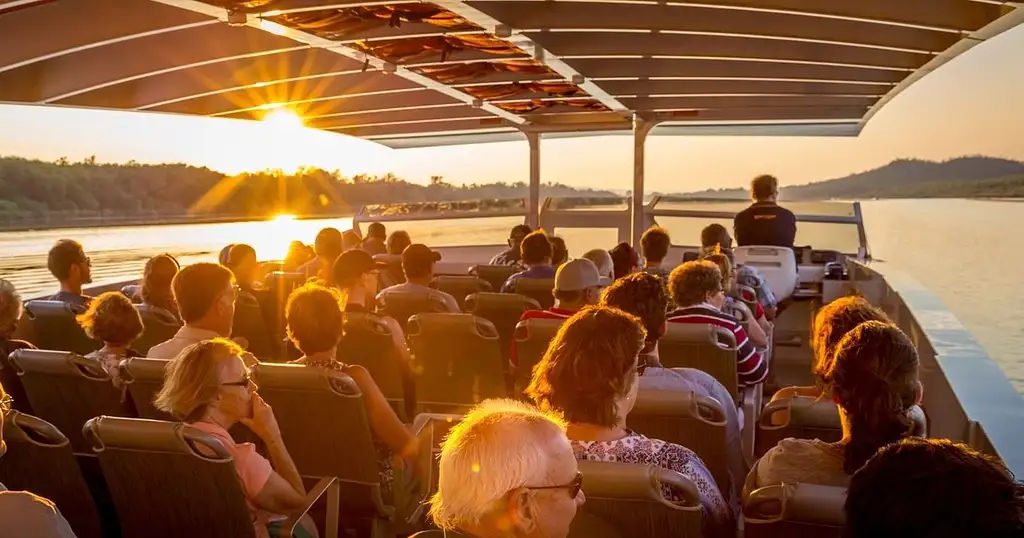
x=253 y=471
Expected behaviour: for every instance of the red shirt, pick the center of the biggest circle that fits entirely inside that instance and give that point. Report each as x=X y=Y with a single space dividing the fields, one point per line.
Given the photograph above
x=552 y=313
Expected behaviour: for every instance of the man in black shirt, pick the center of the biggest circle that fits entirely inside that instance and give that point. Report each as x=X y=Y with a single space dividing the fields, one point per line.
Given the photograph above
x=764 y=222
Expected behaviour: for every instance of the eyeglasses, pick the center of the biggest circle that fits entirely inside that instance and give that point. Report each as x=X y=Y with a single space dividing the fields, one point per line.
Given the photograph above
x=574 y=487
x=246 y=381
x=6 y=404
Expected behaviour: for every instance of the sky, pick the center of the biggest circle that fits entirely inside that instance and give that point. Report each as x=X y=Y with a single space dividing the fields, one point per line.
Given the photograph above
x=970 y=106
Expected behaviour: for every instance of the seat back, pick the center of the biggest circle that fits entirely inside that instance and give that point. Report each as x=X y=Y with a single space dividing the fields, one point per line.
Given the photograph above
x=280 y=285
x=629 y=498
x=66 y=390
x=777 y=264
x=503 y=310
x=687 y=419
x=702 y=346
x=532 y=338
x=795 y=511
x=56 y=328
x=393 y=274
x=39 y=459
x=144 y=378
x=159 y=326
x=403 y=305
x=250 y=324
x=368 y=342
x=495 y=275
x=461 y=287
x=457 y=360
x=169 y=479
x=325 y=427
x=748 y=295
x=539 y=289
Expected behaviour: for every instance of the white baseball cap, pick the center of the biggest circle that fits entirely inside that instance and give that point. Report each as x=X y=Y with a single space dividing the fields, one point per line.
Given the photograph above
x=578 y=275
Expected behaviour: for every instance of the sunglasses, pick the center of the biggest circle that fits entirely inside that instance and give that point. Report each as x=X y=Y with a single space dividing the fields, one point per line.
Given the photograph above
x=6 y=404
x=246 y=381
x=573 y=487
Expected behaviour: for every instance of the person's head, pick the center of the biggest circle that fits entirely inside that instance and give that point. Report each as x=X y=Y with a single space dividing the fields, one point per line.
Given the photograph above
x=112 y=319
x=589 y=372
x=328 y=244
x=222 y=256
x=625 y=260
x=654 y=244
x=243 y=263
x=507 y=469
x=724 y=263
x=875 y=383
x=535 y=249
x=418 y=262
x=603 y=260
x=297 y=255
x=559 y=252
x=207 y=378
x=11 y=308
x=376 y=230
x=577 y=284
x=314 y=319
x=715 y=235
x=68 y=263
x=642 y=295
x=206 y=294
x=697 y=282
x=516 y=236
x=350 y=240
x=764 y=188
x=355 y=275
x=398 y=241
x=156 y=281
x=934 y=488
x=831 y=324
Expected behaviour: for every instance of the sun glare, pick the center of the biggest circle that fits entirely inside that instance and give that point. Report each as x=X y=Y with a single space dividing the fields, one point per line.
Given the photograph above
x=284 y=218
x=283 y=118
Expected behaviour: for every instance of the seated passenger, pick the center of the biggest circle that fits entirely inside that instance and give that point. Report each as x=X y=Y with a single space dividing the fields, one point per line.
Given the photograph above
x=350 y=240
x=298 y=254
x=206 y=295
x=559 y=251
x=715 y=237
x=208 y=386
x=397 y=242
x=513 y=256
x=222 y=257
x=643 y=295
x=418 y=265
x=535 y=252
x=376 y=239
x=654 y=246
x=68 y=263
x=605 y=343
x=697 y=289
x=112 y=319
x=314 y=320
x=603 y=260
x=22 y=514
x=934 y=488
x=251 y=321
x=758 y=327
x=831 y=324
x=533 y=487
x=624 y=259
x=764 y=222
x=327 y=248
x=875 y=384
x=577 y=284
x=155 y=289
x=11 y=310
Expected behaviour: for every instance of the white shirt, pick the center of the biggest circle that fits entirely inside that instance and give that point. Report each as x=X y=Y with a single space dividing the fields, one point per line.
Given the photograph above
x=186 y=336
x=446 y=298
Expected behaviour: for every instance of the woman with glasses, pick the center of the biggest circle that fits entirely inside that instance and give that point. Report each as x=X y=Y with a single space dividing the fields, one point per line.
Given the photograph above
x=208 y=386
x=590 y=375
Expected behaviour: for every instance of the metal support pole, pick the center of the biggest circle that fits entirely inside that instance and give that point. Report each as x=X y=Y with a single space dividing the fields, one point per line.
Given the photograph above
x=641 y=128
x=533 y=205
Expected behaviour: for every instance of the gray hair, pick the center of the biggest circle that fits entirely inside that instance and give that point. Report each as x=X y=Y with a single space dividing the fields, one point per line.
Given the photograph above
x=603 y=260
x=10 y=308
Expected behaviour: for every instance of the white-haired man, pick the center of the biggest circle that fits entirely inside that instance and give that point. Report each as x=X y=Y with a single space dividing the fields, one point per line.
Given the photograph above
x=506 y=471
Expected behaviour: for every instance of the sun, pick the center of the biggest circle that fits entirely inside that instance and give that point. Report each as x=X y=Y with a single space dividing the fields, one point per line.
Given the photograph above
x=283 y=119
x=284 y=218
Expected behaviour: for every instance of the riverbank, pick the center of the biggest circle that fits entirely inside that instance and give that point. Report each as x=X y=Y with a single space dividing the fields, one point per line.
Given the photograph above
x=61 y=222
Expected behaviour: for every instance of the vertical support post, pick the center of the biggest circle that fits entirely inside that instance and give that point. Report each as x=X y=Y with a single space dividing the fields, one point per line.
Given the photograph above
x=641 y=128
x=533 y=205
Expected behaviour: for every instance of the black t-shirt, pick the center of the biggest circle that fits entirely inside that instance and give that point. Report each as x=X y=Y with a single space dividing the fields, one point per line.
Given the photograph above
x=765 y=223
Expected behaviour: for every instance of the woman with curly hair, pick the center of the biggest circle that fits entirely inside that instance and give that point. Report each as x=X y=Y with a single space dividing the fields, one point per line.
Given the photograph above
x=112 y=319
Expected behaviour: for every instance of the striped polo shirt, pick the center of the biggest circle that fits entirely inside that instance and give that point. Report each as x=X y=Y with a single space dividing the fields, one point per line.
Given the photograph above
x=751 y=368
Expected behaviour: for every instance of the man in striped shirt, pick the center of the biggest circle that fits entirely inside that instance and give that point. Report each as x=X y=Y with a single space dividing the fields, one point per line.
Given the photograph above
x=699 y=293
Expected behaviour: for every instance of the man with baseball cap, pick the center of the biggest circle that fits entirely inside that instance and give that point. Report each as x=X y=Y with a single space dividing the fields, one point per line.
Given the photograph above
x=354 y=275
x=418 y=264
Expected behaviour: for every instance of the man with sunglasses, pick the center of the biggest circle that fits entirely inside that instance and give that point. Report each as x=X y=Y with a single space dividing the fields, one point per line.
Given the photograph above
x=506 y=471
x=68 y=263
x=512 y=256
x=22 y=514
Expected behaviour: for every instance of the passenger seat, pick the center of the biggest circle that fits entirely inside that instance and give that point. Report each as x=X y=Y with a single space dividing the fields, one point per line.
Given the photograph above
x=159 y=326
x=504 y=311
x=541 y=290
x=144 y=378
x=460 y=287
x=495 y=275
x=368 y=342
x=402 y=305
x=795 y=510
x=777 y=264
x=55 y=327
x=532 y=338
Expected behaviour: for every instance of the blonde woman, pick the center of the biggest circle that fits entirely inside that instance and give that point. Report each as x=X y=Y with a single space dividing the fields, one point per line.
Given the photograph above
x=112 y=319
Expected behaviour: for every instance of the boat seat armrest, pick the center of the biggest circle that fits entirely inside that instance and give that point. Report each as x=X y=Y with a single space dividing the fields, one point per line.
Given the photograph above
x=327 y=485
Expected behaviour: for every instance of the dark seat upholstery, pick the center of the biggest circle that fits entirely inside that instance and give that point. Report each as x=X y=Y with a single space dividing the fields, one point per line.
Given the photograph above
x=403 y=305
x=159 y=326
x=9 y=378
x=503 y=310
x=795 y=511
x=279 y=286
x=143 y=378
x=393 y=274
x=532 y=339
x=495 y=275
x=55 y=327
x=538 y=289
x=461 y=287
x=368 y=342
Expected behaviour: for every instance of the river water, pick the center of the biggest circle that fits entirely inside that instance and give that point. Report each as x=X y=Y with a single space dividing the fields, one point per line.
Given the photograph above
x=966 y=251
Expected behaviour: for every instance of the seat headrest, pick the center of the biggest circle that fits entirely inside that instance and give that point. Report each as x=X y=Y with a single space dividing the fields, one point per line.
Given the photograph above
x=140 y=369
x=807 y=412
x=633 y=481
x=152 y=436
x=388 y=258
x=153 y=314
x=417 y=300
x=455 y=280
x=481 y=270
x=41 y=361
x=511 y=301
x=51 y=308
x=272 y=376
x=804 y=503
x=22 y=428
x=467 y=324
x=526 y=285
x=700 y=333
x=364 y=322
x=543 y=328
x=680 y=404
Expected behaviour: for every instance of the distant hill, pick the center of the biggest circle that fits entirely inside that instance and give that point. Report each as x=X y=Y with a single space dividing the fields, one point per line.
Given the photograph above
x=963 y=177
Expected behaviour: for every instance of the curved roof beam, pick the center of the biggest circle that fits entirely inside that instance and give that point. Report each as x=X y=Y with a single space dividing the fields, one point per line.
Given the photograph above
x=747 y=101
x=600 y=68
x=335 y=105
x=458 y=111
x=736 y=86
x=424 y=127
x=702 y=19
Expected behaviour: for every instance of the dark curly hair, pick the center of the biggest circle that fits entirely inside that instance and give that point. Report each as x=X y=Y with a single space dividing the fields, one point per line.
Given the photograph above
x=691 y=282
x=590 y=363
x=643 y=295
x=831 y=324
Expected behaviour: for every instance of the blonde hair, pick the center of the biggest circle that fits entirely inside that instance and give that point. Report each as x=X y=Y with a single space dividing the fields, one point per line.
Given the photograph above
x=192 y=380
x=498 y=447
x=112 y=319
x=10 y=308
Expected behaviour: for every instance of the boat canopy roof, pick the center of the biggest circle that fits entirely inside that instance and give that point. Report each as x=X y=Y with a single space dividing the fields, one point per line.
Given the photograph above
x=409 y=74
